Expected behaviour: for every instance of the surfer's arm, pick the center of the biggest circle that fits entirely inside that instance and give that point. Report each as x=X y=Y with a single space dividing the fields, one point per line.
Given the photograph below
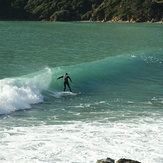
x=70 y=79
x=59 y=77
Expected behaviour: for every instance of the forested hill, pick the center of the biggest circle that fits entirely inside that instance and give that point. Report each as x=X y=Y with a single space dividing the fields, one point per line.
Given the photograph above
x=81 y=10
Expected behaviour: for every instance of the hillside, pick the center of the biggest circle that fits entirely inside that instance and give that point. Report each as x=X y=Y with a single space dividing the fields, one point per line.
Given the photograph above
x=82 y=10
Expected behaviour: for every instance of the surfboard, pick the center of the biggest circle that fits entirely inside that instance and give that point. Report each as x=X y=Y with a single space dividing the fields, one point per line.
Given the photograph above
x=62 y=93
x=70 y=93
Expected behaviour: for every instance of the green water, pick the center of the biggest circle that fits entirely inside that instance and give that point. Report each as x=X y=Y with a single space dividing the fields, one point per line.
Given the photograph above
x=30 y=45
x=117 y=72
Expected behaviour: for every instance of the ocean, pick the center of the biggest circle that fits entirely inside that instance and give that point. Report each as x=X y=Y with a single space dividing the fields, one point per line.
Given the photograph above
x=117 y=76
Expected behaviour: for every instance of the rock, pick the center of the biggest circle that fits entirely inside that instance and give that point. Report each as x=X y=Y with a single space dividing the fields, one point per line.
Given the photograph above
x=108 y=160
x=123 y=160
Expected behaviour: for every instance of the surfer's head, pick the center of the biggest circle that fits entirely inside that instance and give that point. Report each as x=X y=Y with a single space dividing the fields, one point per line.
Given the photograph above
x=66 y=74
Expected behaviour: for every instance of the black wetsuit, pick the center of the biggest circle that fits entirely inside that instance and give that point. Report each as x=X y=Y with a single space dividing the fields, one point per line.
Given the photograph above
x=66 y=77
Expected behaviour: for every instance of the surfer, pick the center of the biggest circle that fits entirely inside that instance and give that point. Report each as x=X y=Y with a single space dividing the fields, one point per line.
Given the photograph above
x=66 y=77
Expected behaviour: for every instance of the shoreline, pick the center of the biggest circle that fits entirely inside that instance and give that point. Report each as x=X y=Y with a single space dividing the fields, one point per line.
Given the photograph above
x=90 y=21
x=120 y=21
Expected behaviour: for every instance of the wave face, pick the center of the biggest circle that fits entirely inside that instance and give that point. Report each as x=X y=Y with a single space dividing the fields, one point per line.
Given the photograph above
x=129 y=71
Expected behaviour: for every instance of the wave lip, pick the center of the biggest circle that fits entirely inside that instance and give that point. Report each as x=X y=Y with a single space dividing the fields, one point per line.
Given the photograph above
x=21 y=93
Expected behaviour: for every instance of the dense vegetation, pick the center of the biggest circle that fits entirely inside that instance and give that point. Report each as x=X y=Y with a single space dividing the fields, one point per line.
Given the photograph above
x=74 y=10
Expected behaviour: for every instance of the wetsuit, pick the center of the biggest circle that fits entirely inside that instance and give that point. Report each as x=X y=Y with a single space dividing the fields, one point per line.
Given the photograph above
x=66 y=77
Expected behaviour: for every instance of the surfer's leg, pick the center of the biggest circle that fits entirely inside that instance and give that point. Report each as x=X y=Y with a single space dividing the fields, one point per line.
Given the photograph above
x=69 y=87
x=64 y=86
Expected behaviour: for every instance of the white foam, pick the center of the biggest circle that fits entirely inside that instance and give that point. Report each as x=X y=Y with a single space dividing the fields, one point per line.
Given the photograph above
x=20 y=93
x=81 y=142
x=133 y=56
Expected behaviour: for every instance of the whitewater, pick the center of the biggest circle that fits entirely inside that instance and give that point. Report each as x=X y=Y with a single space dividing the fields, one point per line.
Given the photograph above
x=116 y=110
